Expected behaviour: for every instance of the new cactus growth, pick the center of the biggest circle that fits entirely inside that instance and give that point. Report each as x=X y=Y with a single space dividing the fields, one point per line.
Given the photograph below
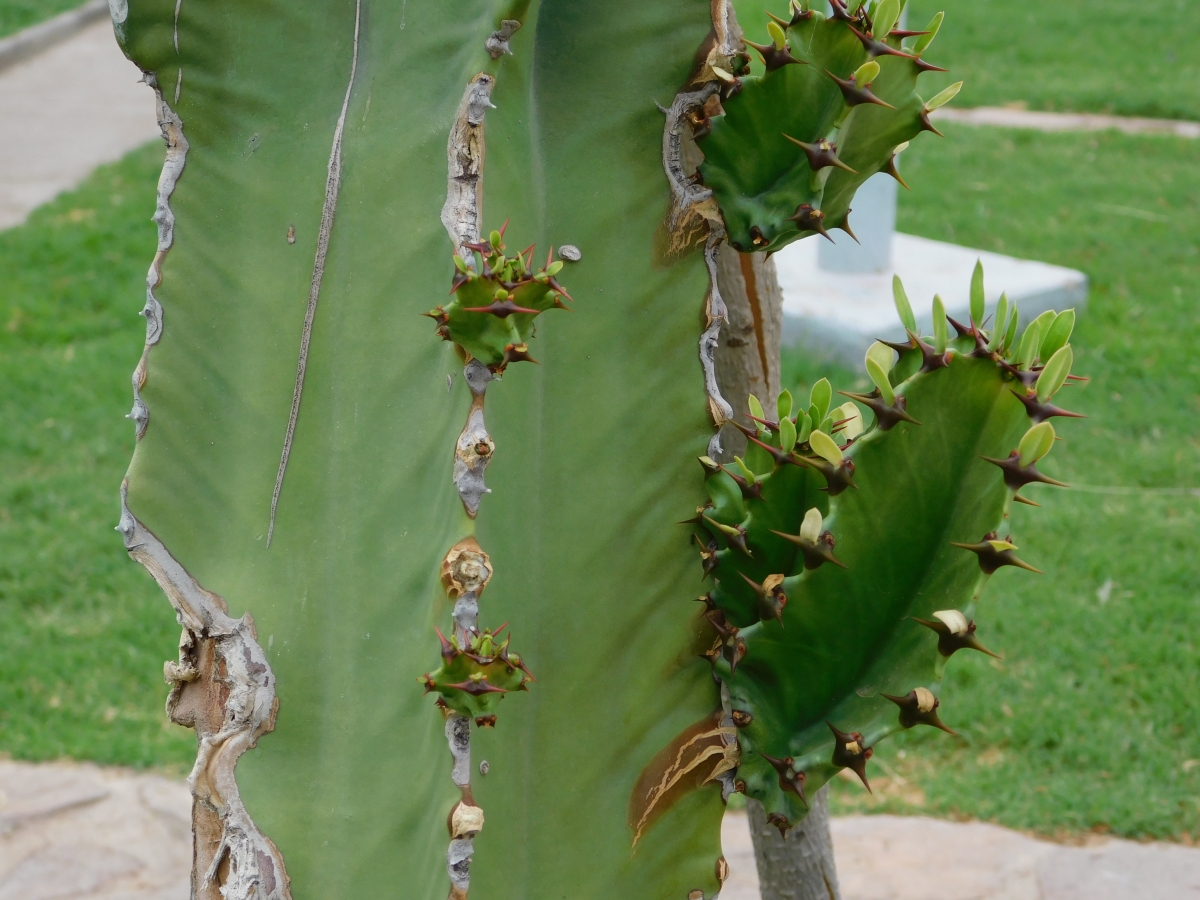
x=834 y=102
x=311 y=456
x=815 y=650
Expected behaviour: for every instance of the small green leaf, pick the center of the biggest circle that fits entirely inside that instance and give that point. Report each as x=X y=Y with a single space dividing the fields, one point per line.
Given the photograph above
x=999 y=324
x=977 y=295
x=783 y=405
x=1010 y=333
x=459 y=264
x=1030 y=341
x=787 y=434
x=747 y=472
x=495 y=239
x=1036 y=443
x=827 y=425
x=1058 y=334
x=851 y=418
x=810 y=528
x=941 y=98
x=924 y=40
x=554 y=268
x=876 y=374
x=820 y=397
x=885 y=18
x=805 y=428
x=756 y=410
x=825 y=447
x=866 y=73
x=903 y=307
x=1054 y=375
x=940 y=333
x=884 y=356
x=777 y=36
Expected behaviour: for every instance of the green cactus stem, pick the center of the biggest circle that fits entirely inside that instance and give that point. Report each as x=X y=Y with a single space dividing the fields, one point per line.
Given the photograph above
x=834 y=550
x=834 y=102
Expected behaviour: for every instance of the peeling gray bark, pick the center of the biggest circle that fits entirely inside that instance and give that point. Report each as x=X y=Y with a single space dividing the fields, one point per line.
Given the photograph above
x=464 y=156
x=800 y=866
x=475 y=446
x=747 y=356
x=497 y=42
x=223 y=687
x=333 y=182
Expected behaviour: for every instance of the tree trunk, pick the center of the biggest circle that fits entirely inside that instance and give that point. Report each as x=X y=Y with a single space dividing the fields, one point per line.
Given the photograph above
x=799 y=866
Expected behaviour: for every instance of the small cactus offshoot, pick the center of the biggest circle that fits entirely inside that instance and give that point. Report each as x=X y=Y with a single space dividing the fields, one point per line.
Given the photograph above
x=495 y=298
x=846 y=562
x=835 y=104
x=472 y=679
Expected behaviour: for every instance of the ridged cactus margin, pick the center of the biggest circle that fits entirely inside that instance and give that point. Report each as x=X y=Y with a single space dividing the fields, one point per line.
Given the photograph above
x=847 y=563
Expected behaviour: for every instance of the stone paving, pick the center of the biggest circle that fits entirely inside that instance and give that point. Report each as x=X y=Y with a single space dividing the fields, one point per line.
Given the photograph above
x=76 y=831
x=64 y=112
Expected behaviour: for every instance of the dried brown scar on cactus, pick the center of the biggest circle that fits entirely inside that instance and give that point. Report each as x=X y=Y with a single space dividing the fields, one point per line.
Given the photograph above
x=333 y=181
x=699 y=754
x=177 y=149
x=223 y=687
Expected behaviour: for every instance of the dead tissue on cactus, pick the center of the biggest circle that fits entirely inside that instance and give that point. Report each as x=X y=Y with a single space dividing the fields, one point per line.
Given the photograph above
x=846 y=552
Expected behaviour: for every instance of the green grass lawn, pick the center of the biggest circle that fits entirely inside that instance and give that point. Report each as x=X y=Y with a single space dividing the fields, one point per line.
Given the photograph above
x=1133 y=59
x=18 y=14
x=1092 y=720
x=85 y=631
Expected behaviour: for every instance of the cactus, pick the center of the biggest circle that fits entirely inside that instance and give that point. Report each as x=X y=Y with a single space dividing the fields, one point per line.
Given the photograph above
x=835 y=551
x=311 y=455
x=835 y=103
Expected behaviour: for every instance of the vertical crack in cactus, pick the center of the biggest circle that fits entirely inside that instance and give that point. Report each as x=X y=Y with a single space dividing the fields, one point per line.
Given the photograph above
x=333 y=182
x=223 y=688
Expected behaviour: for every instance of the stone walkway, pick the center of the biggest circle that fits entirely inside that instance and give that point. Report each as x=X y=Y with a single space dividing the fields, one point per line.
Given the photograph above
x=81 y=832
x=65 y=111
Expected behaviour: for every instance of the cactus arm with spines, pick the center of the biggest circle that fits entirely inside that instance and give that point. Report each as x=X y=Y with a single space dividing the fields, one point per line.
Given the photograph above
x=823 y=655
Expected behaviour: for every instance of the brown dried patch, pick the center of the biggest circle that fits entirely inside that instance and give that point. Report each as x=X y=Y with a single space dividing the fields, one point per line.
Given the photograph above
x=466 y=568
x=699 y=754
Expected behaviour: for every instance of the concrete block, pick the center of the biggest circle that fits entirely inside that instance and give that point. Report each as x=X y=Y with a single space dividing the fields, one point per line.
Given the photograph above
x=839 y=314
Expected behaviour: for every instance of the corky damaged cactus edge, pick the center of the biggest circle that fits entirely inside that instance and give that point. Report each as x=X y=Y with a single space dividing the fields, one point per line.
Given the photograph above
x=311 y=455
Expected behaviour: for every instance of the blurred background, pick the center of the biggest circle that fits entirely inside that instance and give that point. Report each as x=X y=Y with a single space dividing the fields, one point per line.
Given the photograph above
x=1090 y=724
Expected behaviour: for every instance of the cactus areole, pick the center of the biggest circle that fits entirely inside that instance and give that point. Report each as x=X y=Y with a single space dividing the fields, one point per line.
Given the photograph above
x=366 y=597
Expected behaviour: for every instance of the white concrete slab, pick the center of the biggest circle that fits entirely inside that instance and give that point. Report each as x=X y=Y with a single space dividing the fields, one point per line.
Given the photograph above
x=839 y=314
x=65 y=111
